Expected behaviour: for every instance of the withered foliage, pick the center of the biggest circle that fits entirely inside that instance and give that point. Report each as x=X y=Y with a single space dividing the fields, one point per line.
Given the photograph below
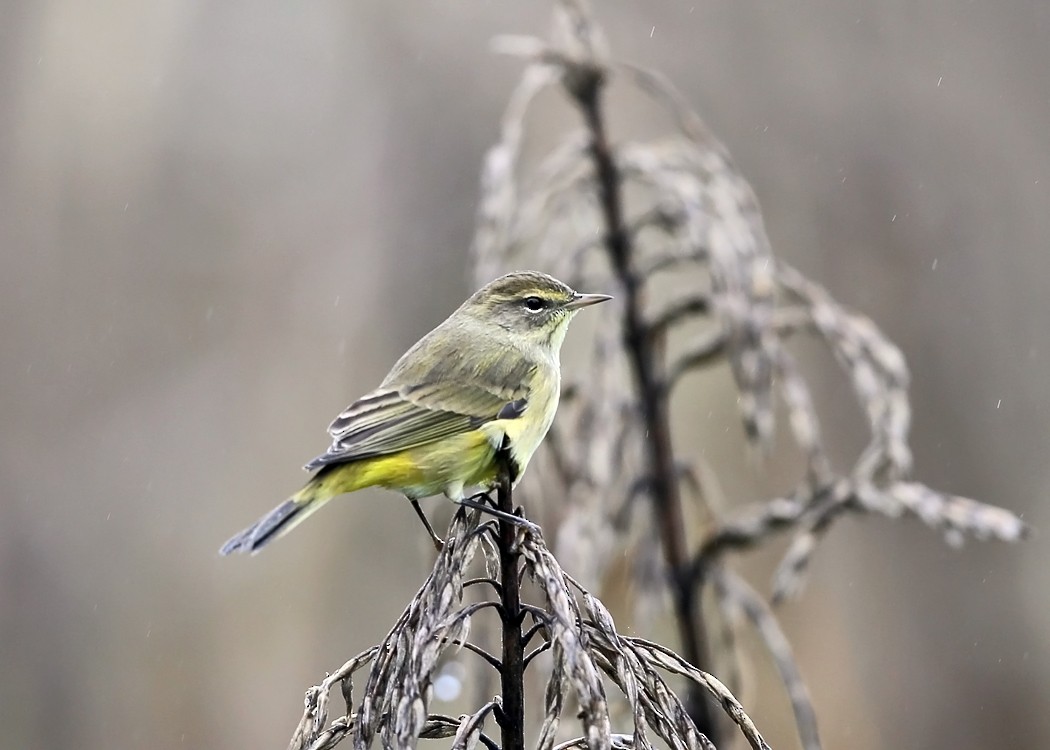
x=639 y=218
x=587 y=654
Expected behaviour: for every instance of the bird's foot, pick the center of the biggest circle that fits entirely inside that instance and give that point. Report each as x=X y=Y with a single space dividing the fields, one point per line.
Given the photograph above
x=482 y=502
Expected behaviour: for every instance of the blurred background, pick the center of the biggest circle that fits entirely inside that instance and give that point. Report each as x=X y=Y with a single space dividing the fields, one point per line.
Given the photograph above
x=221 y=222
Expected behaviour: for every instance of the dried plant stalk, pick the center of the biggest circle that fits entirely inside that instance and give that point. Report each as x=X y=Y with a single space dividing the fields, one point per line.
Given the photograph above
x=584 y=644
x=626 y=215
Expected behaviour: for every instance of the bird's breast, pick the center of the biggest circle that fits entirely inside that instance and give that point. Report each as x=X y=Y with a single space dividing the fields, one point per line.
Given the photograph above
x=526 y=432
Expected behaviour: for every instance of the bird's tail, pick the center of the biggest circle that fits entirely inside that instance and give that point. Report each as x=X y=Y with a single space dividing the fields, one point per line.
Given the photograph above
x=280 y=520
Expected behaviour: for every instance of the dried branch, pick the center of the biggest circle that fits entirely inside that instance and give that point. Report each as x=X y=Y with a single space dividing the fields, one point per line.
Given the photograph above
x=618 y=742
x=570 y=643
x=469 y=731
x=736 y=594
x=628 y=212
x=512 y=668
x=583 y=643
x=584 y=80
x=315 y=716
x=396 y=694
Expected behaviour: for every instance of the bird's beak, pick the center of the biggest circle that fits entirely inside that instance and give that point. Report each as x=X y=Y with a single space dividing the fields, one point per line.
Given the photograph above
x=585 y=300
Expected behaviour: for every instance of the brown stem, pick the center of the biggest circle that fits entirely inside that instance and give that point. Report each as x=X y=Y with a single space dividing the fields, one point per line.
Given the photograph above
x=512 y=669
x=640 y=346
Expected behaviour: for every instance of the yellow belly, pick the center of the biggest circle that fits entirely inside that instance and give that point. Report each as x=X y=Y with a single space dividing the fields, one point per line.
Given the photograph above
x=445 y=466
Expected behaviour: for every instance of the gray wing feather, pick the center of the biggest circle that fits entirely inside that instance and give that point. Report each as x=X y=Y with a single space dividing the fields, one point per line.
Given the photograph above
x=421 y=404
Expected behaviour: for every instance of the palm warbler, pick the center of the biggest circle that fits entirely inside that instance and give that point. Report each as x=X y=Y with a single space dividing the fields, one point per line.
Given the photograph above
x=489 y=373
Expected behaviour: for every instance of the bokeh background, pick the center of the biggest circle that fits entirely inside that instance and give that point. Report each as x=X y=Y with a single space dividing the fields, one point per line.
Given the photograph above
x=220 y=222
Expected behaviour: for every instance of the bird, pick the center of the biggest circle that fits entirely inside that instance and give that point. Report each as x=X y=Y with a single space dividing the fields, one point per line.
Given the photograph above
x=487 y=379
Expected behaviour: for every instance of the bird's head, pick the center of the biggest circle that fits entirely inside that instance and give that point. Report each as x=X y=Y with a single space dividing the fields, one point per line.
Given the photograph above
x=529 y=304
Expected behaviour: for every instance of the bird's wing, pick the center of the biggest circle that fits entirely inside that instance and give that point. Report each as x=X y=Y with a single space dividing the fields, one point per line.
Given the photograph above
x=390 y=419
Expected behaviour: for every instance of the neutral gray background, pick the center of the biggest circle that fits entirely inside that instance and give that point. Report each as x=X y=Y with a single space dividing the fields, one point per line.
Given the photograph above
x=220 y=222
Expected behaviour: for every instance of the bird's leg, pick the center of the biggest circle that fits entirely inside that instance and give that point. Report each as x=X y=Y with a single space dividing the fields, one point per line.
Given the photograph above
x=484 y=507
x=438 y=544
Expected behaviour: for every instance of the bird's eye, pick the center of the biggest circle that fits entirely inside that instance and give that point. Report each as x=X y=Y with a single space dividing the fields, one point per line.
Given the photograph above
x=534 y=304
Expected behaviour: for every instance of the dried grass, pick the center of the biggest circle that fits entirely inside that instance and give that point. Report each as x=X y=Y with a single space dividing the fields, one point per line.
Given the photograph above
x=584 y=646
